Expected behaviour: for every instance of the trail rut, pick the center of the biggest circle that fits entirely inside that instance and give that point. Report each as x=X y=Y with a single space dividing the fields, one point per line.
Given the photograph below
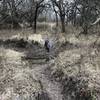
x=53 y=88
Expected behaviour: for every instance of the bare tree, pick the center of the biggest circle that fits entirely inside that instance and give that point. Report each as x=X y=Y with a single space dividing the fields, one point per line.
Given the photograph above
x=61 y=5
x=56 y=14
x=37 y=7
x=73 y=13
x=88 y=11
x=10 y=12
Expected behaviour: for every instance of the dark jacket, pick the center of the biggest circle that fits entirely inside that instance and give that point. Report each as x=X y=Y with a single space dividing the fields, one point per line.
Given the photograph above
x=47 y=45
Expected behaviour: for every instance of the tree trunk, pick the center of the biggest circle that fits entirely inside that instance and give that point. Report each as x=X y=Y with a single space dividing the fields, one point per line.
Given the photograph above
x=35 y=25
x=56 y=19
x=4 y=6
x=13 y=14
x=85 y=29
x=35 y=22
x=31 y=24
x=63 y=23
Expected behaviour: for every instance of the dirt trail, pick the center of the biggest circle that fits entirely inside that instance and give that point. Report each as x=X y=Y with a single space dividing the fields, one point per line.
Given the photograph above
x=53 y=88
x=38 y=70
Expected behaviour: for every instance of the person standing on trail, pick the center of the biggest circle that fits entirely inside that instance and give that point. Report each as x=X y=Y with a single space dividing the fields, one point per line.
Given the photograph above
x=47 y=45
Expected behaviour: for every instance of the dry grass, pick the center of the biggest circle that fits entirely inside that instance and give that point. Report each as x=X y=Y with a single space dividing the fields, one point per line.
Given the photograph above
x=78 y=67
x=16 y=78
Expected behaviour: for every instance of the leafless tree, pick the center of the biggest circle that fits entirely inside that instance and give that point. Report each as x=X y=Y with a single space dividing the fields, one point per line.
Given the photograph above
x=88 y=11
x=37 y=7
x=56 y=14
x=61 y=5
x=9 y=12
